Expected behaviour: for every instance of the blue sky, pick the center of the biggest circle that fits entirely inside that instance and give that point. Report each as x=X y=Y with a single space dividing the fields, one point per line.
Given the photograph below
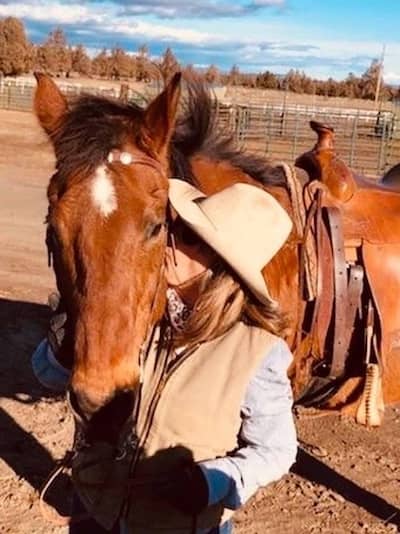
x=322 y=37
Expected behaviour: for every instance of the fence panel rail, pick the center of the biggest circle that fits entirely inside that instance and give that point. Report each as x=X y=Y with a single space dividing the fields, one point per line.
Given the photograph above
x=367 y=140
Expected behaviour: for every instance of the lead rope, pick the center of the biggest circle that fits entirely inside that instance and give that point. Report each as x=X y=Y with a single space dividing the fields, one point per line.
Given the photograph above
x=54 y=517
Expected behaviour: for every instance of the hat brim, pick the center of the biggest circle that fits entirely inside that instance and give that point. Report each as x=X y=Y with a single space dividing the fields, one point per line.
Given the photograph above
x=187 y=201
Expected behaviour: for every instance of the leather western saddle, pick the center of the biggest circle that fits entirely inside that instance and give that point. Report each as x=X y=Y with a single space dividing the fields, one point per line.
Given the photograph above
x=355 y=319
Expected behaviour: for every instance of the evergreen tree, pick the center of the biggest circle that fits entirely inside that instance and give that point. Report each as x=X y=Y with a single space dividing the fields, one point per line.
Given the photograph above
x=80 y=61
x=212 y=75
x=122 y=65
x=369 y=80
x=234 y=75
x=168 y=66
x=53 y=55
x=267 y=80
x=15 y=49
x=101 y=64
x=143 y=65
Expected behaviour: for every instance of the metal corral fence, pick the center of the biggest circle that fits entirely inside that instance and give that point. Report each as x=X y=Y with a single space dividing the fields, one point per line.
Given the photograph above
x=18 y=94
x=369 y=141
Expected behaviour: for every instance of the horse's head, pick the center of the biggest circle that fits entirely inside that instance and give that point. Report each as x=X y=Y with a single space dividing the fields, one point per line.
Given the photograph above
x=107 y=234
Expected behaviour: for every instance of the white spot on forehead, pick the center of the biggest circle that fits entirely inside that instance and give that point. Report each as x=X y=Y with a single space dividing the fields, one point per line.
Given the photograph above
x=103 y=192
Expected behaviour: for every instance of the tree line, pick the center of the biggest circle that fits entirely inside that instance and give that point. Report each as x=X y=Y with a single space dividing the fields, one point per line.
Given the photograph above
x=55 y=56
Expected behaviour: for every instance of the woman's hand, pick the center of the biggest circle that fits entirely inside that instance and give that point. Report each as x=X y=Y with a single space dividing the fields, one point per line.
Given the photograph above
x=186 y=489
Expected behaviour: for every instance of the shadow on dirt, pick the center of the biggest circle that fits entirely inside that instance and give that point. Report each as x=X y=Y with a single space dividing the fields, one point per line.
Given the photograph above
x=312 y=469
x=22 y=326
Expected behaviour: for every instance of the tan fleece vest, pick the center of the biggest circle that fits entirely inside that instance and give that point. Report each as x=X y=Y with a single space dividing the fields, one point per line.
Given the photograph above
x=197 y=417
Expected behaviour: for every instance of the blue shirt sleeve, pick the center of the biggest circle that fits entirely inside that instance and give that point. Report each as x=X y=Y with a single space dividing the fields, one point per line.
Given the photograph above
x=268 y=443
x=47 y=369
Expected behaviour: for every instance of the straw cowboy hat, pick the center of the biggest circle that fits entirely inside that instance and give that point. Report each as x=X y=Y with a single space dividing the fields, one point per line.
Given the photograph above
x=244 y=224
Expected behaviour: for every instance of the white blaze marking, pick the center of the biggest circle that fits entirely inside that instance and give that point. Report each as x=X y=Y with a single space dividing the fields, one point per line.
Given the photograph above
x=103 y=192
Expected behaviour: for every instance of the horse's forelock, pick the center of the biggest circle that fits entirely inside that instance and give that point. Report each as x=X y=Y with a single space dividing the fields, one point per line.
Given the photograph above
x=91 y=128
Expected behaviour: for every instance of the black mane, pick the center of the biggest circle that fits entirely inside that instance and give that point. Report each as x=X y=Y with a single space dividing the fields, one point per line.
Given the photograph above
x=197 y=132
x=95 y=125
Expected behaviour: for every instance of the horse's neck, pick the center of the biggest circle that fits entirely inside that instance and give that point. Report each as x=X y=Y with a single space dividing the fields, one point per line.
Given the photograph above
x=213 y=176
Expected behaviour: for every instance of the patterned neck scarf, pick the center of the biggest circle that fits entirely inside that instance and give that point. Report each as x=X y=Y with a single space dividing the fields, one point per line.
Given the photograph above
x=178 y=311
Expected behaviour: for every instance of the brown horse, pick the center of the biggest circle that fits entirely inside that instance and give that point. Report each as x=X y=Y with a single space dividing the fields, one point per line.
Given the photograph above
x=107 y=232
x=107 y=235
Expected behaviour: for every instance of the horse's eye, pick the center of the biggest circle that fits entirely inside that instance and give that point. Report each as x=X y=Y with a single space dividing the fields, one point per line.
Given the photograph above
x=153 y=230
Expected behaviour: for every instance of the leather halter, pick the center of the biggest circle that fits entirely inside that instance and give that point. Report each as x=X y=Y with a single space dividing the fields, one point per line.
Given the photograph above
x=129 y=438
x=127 y=158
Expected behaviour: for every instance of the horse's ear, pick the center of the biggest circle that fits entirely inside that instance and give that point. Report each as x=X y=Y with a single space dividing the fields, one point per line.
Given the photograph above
x=159 y=117
x=49 y=103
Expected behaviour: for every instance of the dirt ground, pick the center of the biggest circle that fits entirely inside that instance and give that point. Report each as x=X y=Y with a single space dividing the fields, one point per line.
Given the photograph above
x=347 y=477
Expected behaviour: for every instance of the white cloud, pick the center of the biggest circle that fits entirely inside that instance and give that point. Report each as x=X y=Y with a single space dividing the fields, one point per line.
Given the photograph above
x=392 y=77
x=268 y=3
x=54 y=12
x=103 y=19
x=256 y=44
x=151 y=32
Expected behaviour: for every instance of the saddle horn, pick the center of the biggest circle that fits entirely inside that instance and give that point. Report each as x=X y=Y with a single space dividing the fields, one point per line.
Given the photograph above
x=326 y=136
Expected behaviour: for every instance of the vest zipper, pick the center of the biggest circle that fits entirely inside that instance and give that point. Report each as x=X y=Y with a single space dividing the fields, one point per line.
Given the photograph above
x=167 y=371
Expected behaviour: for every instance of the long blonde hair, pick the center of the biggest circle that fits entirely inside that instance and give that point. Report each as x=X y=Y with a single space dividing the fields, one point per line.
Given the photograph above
x=223 y=302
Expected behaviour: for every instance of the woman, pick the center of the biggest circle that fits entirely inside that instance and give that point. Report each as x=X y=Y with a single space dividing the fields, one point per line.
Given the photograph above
x=221 y=426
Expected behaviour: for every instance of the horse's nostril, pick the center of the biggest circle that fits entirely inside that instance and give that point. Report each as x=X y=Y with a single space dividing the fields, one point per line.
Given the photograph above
x=104 y=422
